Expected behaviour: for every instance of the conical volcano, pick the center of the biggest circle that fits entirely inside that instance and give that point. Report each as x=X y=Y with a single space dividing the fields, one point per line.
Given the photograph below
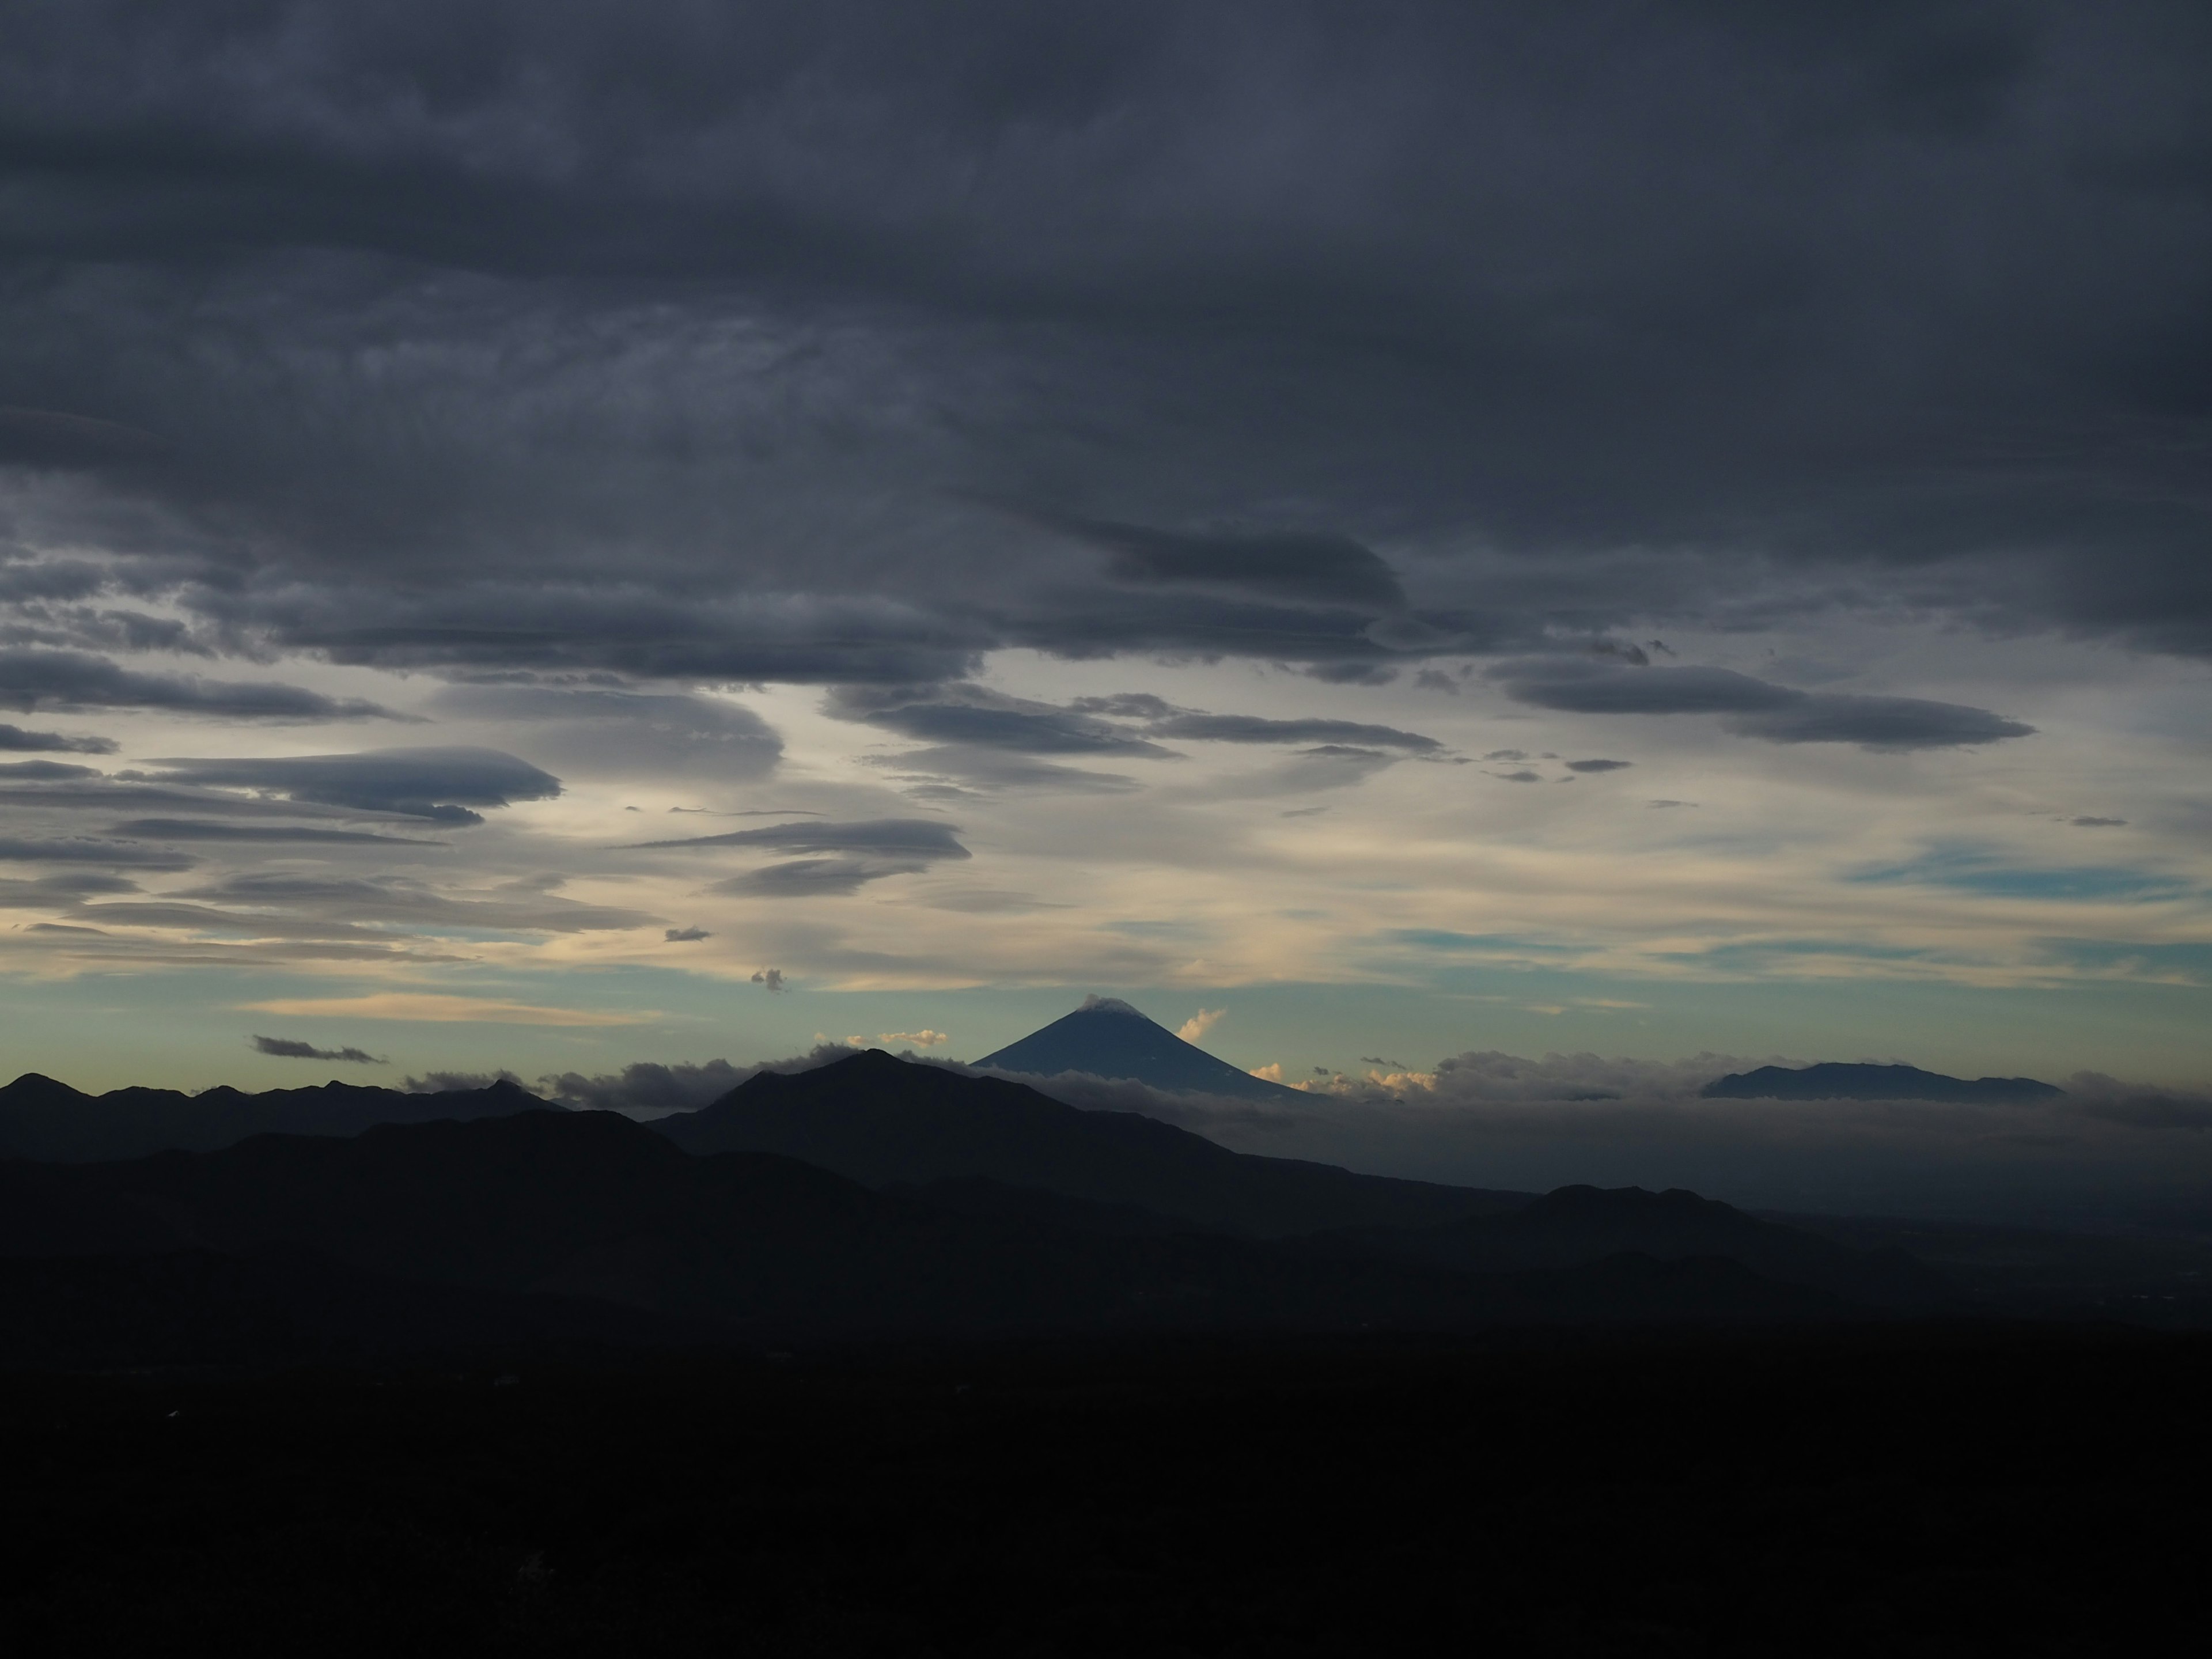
x=1106 y=1037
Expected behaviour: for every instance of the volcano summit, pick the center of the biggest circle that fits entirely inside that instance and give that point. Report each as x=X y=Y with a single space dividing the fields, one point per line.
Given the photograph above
x=1106 y=1037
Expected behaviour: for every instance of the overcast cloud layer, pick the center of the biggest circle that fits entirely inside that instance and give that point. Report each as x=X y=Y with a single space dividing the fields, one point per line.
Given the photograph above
x=1627 y=518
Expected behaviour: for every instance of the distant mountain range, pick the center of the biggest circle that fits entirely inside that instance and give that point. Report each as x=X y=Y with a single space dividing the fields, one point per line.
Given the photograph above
x=530 y=1224
x=1835 y=1081
x=54 y=1123
x=1108 y=1038
x=872 y=1197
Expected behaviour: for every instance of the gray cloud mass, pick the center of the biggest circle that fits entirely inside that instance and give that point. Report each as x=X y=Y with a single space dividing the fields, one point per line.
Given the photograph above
x=293 y=1048
x=72 y=680
x=1752 y=708
x=439 y=784
x=866 y=344
x=856 y=853
x=580 y=379
x=16 y=739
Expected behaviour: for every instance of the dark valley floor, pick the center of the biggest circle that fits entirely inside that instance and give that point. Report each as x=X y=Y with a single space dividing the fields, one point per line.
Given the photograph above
x=1892 y=1490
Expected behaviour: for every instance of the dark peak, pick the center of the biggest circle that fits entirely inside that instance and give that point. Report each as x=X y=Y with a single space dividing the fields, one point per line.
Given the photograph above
x=1097 y=1005
x=38 y=1086
x=1108 y=1038
x=868 y=1062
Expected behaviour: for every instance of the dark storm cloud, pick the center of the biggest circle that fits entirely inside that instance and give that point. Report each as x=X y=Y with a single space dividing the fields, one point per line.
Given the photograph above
x=527 y=624
x=51 y=892
x=467 y=336
x=624 y=733
x=1070 y=621
x=247 y=834
x=1589 y=686
x=957 y=768
x=818 y=877
x=440 y=785
x=1882 y=723
x=103 y=630
x=48 y=791
x=1250 y=728
x=1283 y=563
x=45 y=438
x=292 y=1048
x=1751 y=707
x=969 y=716
x=966 y=723
x=81 y=849
x=16 y=739
x=855 y=854
x=70 y=680
x=923 y=838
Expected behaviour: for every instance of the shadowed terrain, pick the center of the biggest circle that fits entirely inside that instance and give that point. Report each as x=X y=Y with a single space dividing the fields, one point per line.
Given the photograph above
x=52 y=1122
x=880 y=1120
x=734 y=1247
x=1829 y=1493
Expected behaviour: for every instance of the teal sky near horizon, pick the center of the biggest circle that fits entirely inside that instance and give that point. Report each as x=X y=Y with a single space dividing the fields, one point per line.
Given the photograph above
x=118 y=1031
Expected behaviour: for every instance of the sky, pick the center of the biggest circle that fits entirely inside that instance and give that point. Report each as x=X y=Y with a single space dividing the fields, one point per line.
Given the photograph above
x=546 y=537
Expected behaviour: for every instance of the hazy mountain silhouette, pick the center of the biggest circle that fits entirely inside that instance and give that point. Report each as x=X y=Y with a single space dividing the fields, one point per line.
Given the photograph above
x=1578 y=1224
x=592 y=1207
x=1833 y=1080
x=881 y=1121
x=1106 y=1037
x=50 y=1122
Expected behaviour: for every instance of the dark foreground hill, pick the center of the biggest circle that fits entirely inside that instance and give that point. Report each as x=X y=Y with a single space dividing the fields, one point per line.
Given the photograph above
x=588 y=1208
x=1831 y=1080
x=54 y=1123
x=1106 y=1037
x=1829 y=1493
x=882 y=1121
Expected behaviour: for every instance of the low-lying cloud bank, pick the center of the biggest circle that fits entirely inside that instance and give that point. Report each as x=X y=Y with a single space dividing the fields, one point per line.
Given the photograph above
x=2108 y=1153
x=645 y=1090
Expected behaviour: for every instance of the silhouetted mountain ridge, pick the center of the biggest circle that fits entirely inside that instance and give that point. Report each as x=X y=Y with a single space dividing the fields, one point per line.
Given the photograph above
x=48 y=1121
x=583 y=1208
x=1836 y=1080
x=881 y=1121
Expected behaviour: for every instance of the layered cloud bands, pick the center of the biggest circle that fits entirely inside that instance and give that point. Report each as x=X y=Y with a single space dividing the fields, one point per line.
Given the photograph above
x=1190 y=497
